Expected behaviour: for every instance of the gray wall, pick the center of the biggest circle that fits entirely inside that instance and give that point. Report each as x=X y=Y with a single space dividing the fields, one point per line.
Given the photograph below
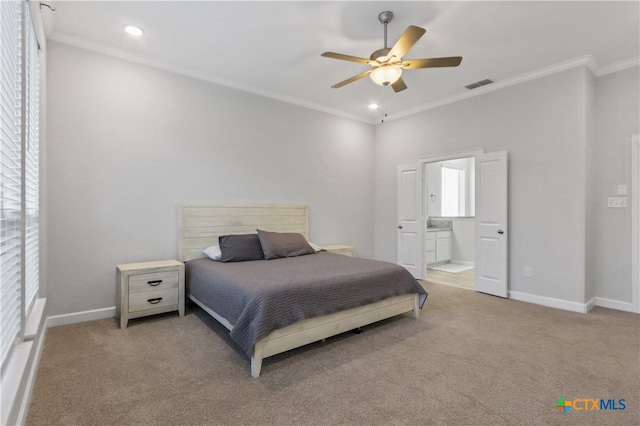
x=617 y=117
x=541 y=124
x=590 y=180
x=568 y=138
x=127 y=143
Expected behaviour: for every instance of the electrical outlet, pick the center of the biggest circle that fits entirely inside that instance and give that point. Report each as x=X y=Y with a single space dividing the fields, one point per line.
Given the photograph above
x=528 y=272
x=617 y=202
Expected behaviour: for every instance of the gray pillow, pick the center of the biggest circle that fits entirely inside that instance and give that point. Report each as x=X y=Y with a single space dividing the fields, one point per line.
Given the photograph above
x=238 y=248
x=283 y=244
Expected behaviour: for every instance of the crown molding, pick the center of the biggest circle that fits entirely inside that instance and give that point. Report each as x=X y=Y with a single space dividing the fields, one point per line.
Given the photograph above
x=581 y=61
x=617 y=66
x=121 y=54
x=587 y=61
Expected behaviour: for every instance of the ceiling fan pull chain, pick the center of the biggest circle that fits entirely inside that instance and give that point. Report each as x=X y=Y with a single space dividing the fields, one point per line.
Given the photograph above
x=384 y=104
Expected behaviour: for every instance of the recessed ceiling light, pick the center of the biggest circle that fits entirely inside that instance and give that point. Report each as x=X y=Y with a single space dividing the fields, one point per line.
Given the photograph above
x=133 y=30
x=373 y=106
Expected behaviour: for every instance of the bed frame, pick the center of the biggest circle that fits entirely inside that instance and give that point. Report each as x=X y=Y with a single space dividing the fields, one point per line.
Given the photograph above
x=199 y=227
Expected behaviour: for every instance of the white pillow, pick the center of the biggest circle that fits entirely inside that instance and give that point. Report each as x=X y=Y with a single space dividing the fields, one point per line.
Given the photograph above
x=315 y=247
x=213 y=252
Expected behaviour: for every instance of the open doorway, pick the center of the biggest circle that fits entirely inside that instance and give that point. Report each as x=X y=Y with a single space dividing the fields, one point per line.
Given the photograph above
x=491 y=227
x=449 y=234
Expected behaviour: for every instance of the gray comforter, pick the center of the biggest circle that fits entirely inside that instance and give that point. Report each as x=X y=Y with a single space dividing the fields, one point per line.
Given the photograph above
x=260 y=296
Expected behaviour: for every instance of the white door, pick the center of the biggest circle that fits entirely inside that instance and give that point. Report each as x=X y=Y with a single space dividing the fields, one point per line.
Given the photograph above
x=410 y=219
x=491 y=224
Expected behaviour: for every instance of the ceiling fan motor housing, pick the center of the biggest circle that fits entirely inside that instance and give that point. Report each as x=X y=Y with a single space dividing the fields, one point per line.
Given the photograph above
x=379 y=53
x=385 y=17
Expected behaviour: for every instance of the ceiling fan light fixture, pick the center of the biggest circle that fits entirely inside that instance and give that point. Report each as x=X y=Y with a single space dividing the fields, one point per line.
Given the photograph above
x=387 y=63
x=386 y=75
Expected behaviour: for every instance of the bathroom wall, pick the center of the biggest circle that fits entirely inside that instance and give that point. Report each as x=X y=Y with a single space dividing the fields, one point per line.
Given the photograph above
x=463 y=239
x=433 y=185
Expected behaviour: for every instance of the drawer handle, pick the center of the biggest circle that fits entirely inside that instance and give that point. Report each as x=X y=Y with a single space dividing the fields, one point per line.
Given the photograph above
x=154 y=283
x=154 y=300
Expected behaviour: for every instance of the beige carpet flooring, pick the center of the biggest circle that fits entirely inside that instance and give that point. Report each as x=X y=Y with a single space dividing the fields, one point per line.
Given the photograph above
x=471 y=359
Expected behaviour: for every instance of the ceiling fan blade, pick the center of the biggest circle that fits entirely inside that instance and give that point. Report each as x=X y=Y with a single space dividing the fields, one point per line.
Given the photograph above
x=399 y=85
x=346 y=58
x=352 y=79
x=452 y=61
x=410 y=36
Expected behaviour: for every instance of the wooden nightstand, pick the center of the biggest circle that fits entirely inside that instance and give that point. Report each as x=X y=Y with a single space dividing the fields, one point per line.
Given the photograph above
x=340 y=249
x=149 y=288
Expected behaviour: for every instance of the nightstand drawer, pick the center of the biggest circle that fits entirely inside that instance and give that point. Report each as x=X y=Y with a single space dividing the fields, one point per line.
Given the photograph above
x=149 y=288
x=153 y=299
x=153 y=281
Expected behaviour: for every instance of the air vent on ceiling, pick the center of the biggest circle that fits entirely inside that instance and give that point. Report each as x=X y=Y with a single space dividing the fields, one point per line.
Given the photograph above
x=478 y=84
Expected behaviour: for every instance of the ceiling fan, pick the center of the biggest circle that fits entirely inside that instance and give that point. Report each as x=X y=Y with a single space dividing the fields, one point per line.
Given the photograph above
x=387 y=64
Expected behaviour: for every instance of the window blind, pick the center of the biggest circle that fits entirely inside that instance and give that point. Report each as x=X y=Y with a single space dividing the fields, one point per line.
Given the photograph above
x=31 y=164
x=10 y=175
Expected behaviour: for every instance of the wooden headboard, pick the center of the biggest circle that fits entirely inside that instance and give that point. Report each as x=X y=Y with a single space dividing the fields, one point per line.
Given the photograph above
x=200 y=225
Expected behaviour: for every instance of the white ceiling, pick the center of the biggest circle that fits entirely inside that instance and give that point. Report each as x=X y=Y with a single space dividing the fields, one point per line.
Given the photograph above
x=273 y=48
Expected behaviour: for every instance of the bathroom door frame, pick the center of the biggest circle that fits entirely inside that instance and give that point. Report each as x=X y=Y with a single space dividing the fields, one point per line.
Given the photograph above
x=422 y=164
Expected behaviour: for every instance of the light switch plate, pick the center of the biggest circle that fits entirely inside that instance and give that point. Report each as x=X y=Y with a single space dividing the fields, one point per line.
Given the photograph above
x=622 y=189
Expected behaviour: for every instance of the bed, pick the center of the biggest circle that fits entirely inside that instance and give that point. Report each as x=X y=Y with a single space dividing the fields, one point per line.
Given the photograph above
x=271 y=306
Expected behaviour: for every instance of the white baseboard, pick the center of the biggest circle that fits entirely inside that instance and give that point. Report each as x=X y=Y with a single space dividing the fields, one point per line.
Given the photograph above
x=613 y=304
x=83 y=316
x=549 y=301
x=571 y=306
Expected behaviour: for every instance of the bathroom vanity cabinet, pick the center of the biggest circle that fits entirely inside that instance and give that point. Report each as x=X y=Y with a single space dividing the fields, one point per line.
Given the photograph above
x=438 y=246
